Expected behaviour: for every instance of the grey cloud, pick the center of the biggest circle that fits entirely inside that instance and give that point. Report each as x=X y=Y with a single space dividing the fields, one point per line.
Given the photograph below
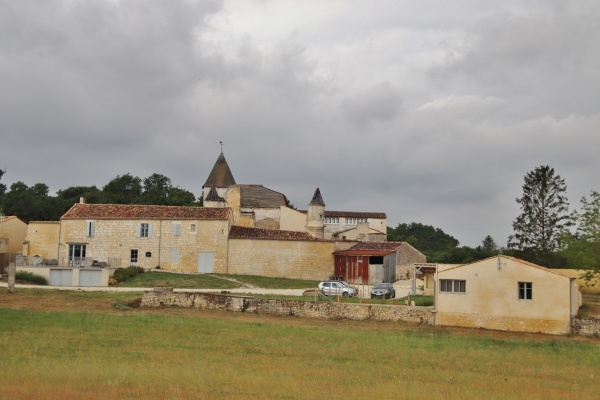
x=377 y=103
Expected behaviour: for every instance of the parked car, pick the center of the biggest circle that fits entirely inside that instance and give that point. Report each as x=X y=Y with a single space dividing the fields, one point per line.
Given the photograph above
x=385 y=290
x=338 y=288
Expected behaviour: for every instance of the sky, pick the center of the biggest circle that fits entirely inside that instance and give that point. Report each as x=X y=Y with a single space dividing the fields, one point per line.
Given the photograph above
x=428 y=110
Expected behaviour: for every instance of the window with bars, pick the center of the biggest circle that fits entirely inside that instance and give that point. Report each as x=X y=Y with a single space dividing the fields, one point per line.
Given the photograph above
x=453 y=286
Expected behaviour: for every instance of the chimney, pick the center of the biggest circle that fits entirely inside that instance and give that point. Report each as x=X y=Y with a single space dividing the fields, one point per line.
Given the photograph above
x=82 y=200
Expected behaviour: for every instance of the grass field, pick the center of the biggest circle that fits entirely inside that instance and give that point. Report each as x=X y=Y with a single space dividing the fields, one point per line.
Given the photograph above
x=67 y=345
x=213 y=281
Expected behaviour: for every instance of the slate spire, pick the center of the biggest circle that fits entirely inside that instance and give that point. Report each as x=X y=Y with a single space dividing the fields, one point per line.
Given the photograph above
x=317 y=199
x=220 y=176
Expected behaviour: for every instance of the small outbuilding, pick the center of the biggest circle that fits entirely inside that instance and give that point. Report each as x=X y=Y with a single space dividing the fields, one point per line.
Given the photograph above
x=505 y=293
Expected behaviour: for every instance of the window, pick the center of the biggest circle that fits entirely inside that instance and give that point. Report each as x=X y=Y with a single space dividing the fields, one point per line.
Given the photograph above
x=148 y=254
x=90 y=228
x=144 y=230
x=176 y=228
x=175 y=255
x=453 y=286
x=77 y=254
x=133 y=256
x=332 y=220
x=193 y=228
x=525 y=291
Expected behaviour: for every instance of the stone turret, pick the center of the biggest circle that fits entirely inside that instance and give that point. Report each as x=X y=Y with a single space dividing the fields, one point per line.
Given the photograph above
x=220 y=178
x=315 y=219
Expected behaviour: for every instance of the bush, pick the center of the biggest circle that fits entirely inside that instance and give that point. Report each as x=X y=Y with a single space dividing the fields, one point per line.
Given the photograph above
x=30 y=278
x=122 y=274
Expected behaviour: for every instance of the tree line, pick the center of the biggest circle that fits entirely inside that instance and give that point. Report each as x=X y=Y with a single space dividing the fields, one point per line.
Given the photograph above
x=33 y=203
x=545 y=232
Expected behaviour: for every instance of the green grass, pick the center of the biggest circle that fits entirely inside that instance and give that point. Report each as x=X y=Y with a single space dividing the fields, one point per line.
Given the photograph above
x=420 y=300
x=30 y=278
x=213 y=281
x=273 y=283
x=187 y=281
x=142 y=355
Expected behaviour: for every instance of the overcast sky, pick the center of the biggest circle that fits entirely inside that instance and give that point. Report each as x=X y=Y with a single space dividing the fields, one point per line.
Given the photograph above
x=429 y=111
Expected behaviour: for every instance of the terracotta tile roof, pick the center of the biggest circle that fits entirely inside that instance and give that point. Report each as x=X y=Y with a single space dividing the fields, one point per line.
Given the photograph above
x=373 y=248
x=517 y=260
x=240 y=232
x=260 y=197
x=129 y=211
x=351 y=214
x=390 y=246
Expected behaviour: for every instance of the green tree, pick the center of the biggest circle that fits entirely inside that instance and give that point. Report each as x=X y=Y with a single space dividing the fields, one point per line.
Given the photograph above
x=2 y=190
x=582 y=250
x=425 y=238
x=489 y=244
x=544 y=216
x=31 y=203
x=126 y=189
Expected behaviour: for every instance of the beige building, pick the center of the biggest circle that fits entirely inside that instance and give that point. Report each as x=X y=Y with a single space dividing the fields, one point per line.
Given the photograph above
x=42 y=240
x=184 y=239
x=13 y=230
x=506 y=293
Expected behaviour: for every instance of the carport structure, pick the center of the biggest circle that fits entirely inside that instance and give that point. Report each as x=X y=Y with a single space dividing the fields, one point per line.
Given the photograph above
x=372 y=262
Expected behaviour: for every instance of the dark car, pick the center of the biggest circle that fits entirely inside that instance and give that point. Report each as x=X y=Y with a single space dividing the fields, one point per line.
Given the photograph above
x=385 y=290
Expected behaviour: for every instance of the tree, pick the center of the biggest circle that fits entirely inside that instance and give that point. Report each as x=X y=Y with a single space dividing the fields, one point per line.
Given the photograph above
x=544 y=217
x=425 y=238
x=2 y=190
x=489 y=244
x=124 y=189
x=582 y=250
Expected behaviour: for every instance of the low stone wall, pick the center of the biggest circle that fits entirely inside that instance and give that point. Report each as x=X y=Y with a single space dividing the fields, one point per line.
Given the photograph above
x=161 y=297
x=586 y=327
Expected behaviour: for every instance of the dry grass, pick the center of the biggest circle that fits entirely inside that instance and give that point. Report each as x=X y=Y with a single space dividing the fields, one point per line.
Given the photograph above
x=99 y=352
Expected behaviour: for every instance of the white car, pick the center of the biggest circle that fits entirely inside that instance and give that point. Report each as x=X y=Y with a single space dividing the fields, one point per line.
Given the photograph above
x=338 y=288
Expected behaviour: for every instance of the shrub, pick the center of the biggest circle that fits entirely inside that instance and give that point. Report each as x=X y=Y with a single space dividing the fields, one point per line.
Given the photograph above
x=30 y=278
x=122 y=274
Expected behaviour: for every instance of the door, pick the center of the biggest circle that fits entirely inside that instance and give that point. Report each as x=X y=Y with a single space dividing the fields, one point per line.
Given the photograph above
x=77 y=254
x=206 y=262
x=61 y=277
x=90 y=278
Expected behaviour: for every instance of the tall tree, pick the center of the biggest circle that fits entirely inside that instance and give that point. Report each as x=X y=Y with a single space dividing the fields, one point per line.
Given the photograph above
x=544 y=215
x=489 y=244
x=2 y=190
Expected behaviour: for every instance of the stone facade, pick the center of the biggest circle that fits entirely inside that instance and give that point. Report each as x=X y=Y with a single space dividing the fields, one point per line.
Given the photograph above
x=14 y=230
x=276 y=253
x=208 y=301
x=42 y=239
x=586 y=327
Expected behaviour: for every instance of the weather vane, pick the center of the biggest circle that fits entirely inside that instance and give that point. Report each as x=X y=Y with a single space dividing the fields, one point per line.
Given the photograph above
x=221 y=143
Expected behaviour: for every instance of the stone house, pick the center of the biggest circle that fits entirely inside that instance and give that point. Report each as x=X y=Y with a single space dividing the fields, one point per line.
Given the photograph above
x=506 y=293
x=42 y=240
x=183 y=239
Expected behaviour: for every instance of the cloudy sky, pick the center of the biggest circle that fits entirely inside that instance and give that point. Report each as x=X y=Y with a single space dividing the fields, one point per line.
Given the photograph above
x=429 y=111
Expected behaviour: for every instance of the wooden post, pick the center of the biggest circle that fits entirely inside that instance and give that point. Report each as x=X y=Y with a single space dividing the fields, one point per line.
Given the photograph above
x=12 y=271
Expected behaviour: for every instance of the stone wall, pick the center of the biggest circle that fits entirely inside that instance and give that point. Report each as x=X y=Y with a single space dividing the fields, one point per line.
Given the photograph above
x=160 y=297
x=586 y=327
x=294 y=259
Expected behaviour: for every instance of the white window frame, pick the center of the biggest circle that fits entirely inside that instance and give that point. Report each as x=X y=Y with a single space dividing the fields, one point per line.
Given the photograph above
x=134 y=256
x=455 y=286
x=144 y=230
x=525 y=291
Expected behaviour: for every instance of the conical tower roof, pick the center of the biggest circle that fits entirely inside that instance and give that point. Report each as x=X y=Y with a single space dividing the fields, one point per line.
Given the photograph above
x=317 y=200
x=213 y=195
x=220 y=176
